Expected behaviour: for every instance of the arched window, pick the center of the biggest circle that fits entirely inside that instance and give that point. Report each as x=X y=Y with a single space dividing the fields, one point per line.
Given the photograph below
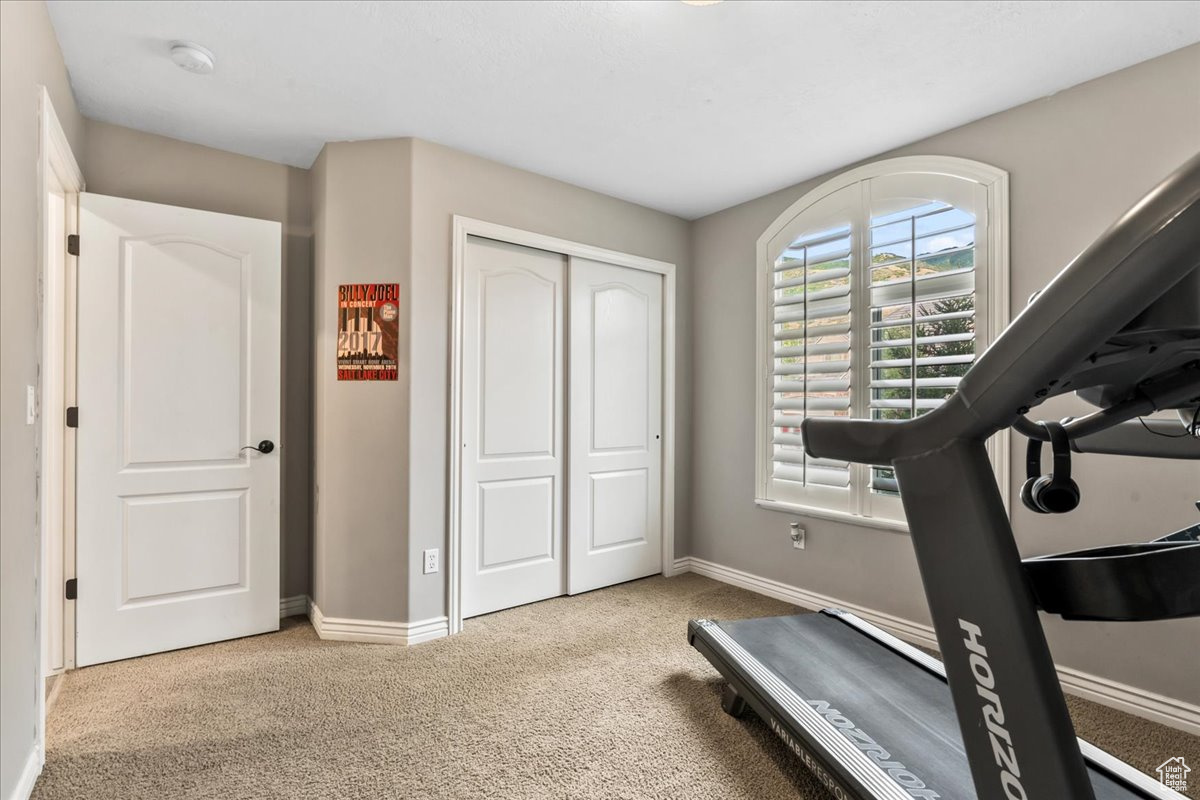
x=876 y=292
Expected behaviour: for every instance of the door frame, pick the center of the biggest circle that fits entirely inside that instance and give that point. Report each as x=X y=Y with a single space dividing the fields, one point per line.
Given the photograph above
x=57 y=168
x=467 y=226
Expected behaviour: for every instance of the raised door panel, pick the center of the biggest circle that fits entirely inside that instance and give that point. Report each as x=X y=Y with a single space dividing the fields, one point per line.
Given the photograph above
x=516 y=523
x=620 y=512
x=184 y=326
x=183 y=545
x=517 y=387
x=620 y=368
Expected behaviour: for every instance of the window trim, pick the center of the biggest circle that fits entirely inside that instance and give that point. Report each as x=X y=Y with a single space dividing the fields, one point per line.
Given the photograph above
x=995 y=183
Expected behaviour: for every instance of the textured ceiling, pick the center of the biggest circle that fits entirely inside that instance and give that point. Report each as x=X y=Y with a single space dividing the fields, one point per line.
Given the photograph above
x=681 y=108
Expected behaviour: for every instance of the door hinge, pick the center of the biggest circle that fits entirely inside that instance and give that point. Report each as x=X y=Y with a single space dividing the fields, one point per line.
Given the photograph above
x=72 y=588
x=73 y=244
x=73 y=417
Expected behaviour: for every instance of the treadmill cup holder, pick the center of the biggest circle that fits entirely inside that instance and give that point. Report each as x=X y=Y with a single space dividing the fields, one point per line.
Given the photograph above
x=1128 y=582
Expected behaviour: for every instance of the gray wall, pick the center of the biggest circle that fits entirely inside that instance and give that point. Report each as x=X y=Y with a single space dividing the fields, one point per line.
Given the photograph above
x=448 y=182
x=143 y=166
x=362 y=222
x=1076 y=160
x=29 y=56
x=382 y=211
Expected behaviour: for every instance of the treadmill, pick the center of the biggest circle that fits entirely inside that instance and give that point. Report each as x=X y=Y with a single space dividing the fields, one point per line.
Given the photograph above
x=871 y=716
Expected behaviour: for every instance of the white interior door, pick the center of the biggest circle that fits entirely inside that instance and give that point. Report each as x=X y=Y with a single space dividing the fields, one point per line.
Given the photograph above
x=615 y=402
x=512 y=426
x=177 y=526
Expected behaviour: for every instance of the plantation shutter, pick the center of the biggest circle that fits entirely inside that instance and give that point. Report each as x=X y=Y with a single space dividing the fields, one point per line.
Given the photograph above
x=812 y=353
x=922 y=312
x=870 y=302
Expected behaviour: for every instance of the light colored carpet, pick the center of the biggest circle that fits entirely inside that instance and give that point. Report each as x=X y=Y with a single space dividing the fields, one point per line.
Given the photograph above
x=595 y=696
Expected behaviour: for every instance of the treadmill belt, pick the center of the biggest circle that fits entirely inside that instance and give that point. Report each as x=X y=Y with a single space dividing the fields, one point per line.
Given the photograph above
x=873 y=694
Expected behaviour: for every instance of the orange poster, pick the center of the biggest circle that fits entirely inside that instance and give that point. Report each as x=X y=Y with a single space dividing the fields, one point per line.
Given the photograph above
x=368 y=331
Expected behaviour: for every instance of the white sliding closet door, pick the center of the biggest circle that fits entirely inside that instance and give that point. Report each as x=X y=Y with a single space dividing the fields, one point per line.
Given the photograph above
x=615 y=402
x=512 y=426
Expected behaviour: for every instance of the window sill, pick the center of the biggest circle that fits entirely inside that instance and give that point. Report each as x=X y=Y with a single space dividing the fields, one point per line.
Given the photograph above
x=898 y=526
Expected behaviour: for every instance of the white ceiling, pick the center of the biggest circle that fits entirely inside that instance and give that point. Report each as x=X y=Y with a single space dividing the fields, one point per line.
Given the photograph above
x=681 y=108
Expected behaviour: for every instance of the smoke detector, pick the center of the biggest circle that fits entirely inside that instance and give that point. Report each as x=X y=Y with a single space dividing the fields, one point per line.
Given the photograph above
x=192 y=57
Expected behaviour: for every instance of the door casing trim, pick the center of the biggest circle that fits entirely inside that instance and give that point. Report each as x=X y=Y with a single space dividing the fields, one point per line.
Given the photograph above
x=56 y=167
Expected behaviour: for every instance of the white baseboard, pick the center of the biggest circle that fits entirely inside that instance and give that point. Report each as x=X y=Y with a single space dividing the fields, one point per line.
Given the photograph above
x=1132 y=700
x=29 y=775
x=428 y=629
x=676 y=567
x=909 y=631
x=1168 y=711
x=340 y=629
x=294 y=606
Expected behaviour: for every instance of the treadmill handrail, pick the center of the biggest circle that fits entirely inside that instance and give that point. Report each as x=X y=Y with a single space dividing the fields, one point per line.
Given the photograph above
x=1150 y=438
x=1166 y=392
x=1150 y=249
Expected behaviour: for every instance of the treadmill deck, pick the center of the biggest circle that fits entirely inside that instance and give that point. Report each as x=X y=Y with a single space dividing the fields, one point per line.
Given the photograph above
x=824 y=681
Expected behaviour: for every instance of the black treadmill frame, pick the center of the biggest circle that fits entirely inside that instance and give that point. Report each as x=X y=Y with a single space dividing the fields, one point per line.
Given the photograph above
x=1016 y=730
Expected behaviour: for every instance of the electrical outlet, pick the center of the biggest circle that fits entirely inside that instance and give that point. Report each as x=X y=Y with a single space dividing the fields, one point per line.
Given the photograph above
x=797 y=534
x=431 y=561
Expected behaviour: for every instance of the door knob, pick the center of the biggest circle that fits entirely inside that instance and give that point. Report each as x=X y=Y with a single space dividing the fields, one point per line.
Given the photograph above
x=264 y=447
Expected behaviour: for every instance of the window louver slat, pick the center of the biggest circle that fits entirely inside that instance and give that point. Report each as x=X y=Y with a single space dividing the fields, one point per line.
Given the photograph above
x=783 y=456
x=829 y=385
x=921 y=383
x=817 y=264
x=933 y=361
x=906 y=240
x=814 y=277
x=816 y=310
x=883 y=323
x=927 y=284
x=923 y=341
x=813 y=404
x=814 y=368
x=816 y=476
x=795 y=252
x=817 y=349
x=792 y=455
x=815 y=332
x=810 y=297
x=907 y=404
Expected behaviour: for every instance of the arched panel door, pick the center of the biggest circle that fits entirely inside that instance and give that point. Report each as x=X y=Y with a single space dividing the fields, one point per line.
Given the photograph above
x=512 y=426
x=616 y=417
x=177 y=532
